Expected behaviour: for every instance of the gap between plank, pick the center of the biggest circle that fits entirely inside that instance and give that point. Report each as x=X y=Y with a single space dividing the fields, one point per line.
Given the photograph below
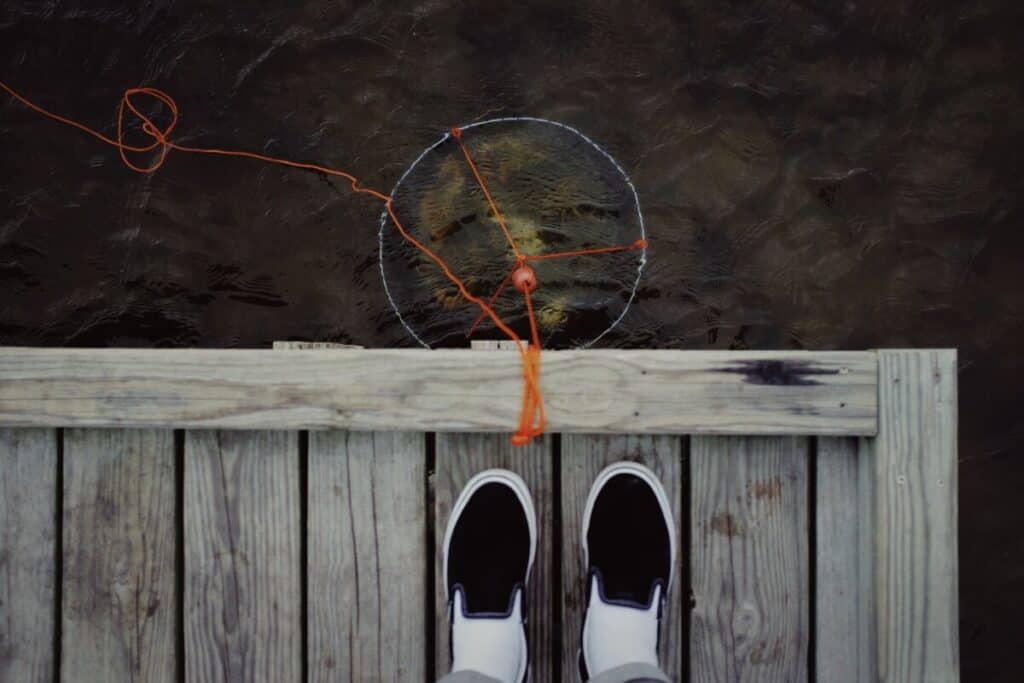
x=58 y=577
x=179 y=552
x=557 y=557
x=304 y=552
x=812 y=557
x=686 y=542
x=430 y=577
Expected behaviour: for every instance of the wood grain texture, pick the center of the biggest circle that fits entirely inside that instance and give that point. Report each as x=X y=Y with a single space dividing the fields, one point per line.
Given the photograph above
x=242 y=564
x=119 y=606
x=583 y=458
x=459 y=458
x=595 y=391
x=367 y=546
x=28 y=560
x=749 y=559
x=916 y=517
x=844 y=563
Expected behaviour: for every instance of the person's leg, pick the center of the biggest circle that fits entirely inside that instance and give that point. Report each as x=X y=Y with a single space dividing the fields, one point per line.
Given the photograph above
x=629 y=549
x=467 y=677
x=489 y=547
x=632 y=673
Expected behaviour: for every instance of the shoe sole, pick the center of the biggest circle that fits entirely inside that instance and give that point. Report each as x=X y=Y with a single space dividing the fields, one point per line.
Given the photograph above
x=522 y=491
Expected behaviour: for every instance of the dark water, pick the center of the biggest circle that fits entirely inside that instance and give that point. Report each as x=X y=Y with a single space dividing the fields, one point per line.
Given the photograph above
x=813 y=175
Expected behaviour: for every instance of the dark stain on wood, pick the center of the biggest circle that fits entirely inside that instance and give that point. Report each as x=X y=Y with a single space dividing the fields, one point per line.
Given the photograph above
x=727 y=525
x=779 y=372
x=761 y=654
x=805 y=410
x=768 y=490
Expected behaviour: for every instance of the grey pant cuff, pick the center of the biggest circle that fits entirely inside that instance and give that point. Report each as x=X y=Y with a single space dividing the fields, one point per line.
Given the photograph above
x=628 y=673
x=632 y=673
x=468 y=677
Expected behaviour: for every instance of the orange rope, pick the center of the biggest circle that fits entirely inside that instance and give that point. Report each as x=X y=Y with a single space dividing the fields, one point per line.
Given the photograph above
x=457 y=134
x=636 y=246
x=532 y=417
x=490 y=302
x=531 y=414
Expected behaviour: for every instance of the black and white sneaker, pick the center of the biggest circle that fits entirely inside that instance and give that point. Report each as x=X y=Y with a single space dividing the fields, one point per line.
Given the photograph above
x=629 y=548
x=489 y=547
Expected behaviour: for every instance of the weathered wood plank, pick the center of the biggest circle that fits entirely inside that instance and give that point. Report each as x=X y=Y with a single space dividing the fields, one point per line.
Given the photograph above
x=749 y=559
x=28 y=559
x=242 y=563
x=916 y=517
x=459 y=457
x=367 y=545
x=844 y=563
x=583 y=458
x=119 y=606
x=594 y=391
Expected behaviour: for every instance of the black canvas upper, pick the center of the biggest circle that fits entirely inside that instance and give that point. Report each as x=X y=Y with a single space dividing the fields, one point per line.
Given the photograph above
x=489 y=552
x=628 y=541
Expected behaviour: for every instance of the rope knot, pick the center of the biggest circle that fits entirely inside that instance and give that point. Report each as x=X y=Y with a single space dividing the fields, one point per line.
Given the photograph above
x=158 y=134
x=531 y=418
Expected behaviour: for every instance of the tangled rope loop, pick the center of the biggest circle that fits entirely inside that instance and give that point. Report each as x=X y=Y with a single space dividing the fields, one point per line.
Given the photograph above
x=150 y=128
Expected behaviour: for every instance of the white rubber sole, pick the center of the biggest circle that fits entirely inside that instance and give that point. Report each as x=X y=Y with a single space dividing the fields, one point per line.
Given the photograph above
x=651 y=479
x=522 y=491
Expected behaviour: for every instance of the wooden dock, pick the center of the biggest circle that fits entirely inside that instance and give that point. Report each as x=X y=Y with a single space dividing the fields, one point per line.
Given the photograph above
x=214 y=515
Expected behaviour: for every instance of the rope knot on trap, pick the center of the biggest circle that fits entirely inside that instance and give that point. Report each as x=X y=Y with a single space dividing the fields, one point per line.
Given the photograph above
x=531 y=415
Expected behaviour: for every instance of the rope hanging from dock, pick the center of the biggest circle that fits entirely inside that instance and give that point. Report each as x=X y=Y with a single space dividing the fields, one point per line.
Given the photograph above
x=522 y=277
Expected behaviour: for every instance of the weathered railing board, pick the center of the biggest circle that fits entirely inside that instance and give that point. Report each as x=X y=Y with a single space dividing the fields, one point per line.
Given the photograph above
x=749 y=561
x=583 y=458
x=119 y=607
x=593 y=391
x=367 y=514
x=844 y=563
x=459 y=457
x=242 y=564
x=28 y=559
x=916 y=517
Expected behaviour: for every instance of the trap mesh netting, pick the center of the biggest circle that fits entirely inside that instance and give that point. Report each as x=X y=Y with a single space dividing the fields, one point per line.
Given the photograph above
x=566 y=205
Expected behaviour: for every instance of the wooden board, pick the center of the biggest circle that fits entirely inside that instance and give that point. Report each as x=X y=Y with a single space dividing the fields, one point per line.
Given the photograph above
x=242 y=563
x=606 y=391
x=916 y=517
x=459 y=458
x=749 y=560
x=119 y=607
x=28 y=491
x=583 y=458
x=367 y=549
x=844 y=563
